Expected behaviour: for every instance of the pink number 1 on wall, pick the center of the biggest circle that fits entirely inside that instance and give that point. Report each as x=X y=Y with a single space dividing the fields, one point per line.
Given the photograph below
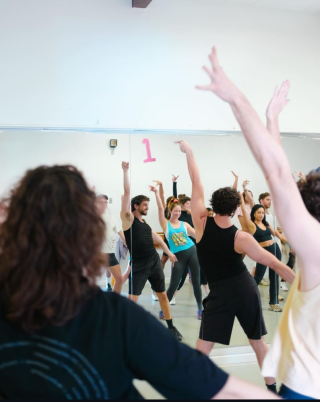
x=149 y=158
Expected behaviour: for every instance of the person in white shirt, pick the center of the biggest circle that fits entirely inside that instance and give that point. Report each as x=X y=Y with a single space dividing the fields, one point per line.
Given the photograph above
x=112 y=264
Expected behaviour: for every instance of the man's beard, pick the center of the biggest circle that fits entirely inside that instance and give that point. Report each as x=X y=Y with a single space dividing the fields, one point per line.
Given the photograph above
x=142 y=212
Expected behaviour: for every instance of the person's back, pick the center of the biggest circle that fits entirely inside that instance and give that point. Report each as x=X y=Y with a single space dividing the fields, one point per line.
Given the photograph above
x=216 y=253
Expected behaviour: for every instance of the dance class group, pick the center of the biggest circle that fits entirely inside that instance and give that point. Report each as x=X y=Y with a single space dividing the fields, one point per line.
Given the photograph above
x=62 y=336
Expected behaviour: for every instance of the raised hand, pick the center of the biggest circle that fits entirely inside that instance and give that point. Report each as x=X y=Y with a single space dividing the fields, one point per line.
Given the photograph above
x=245 y=183
x=236 y=176
x=301 y=175
x=158 y=182
x=220 y=83
x=172 y=258
x=175 y=178
x=154 y=189
x=279 y=100
x=125 y=166
x=184 y=146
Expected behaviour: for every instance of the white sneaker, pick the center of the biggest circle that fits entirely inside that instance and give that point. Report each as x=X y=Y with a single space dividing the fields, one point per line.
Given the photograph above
x=283 y=286
x=154 y=297
x=173 y=301
x=264 y=283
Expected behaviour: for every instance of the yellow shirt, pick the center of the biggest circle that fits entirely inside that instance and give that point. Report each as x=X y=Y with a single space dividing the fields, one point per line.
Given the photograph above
x=294 y=356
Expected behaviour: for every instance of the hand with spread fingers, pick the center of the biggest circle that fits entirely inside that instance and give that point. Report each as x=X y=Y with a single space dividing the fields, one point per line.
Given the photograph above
x=220 y=83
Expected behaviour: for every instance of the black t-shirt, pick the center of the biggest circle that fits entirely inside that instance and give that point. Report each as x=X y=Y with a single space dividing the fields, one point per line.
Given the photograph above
x=139 y=241
x=98 y=354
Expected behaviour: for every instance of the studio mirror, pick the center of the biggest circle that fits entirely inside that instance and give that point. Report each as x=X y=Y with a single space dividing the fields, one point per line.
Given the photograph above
x=156 y=157
x=98 y=155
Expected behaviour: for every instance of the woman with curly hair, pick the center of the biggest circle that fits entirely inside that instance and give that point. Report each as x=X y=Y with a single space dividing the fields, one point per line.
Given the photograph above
x=56 y=325
x=233 y=291
x=177 y=234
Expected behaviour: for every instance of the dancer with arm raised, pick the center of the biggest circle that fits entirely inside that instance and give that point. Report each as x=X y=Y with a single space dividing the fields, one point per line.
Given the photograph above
x=233 y=291
x=295 y=345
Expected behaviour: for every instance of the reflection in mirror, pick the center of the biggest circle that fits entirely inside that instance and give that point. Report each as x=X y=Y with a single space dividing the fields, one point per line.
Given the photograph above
x=159 y=171
x=98 y=156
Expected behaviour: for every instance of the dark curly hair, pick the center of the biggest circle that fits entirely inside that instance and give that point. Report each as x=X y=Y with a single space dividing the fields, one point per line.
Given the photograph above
x=225 y=201
x=183 y=198
x=50 y=248
x=137 y=200
x=253 y=211
x=310 y=193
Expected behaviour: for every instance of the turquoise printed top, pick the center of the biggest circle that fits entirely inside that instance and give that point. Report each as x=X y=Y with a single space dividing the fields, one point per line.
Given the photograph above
x=178 y=239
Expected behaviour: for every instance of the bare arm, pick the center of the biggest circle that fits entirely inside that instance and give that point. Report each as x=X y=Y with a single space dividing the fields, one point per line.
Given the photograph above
x=162 y=220
x=175 y=190
x=247 y=220
x=120 y=233
x=198 y=209
x=236 y=178
x=279 y=235
x=248 y=193
x=245 y=243
x=125 y=213
x=190 y=230
x=268 y=152
x=157 y=239
x=238 y=389
x=161 y=192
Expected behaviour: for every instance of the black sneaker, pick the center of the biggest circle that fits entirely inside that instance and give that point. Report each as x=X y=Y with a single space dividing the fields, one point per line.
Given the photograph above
x=109 y=288
x=176 y=333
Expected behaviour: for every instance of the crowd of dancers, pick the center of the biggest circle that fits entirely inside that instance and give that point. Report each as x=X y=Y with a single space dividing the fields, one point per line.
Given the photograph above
x=64 y=336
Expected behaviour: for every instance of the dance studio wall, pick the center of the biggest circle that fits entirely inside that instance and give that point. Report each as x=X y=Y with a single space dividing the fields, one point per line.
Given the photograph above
x=101 y=63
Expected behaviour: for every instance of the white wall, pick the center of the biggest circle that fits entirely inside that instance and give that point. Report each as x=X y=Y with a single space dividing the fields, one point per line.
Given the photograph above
x=100 y=63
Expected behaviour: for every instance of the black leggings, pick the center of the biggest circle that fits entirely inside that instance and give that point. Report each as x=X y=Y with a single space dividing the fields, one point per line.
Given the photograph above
x=186 y=258
x=203 y=280
x=274 y=278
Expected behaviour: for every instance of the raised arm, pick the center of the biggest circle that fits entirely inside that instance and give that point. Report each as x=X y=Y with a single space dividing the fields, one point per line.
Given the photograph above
x=161 y=192
x=247 y=220
x=268 y=152
x=198 y=209
x=175 y=190
x=125 y=213
x=162 y=220
x=236 y=178
x=248 y=193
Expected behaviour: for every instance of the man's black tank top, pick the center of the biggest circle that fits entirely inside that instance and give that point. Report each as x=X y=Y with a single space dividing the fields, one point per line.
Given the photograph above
x=262 y=235
x=139 y=241
x=217 y=258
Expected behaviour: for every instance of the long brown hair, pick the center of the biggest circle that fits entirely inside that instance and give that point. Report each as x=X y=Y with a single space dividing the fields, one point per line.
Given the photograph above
x=50 y=248
x=173 y=202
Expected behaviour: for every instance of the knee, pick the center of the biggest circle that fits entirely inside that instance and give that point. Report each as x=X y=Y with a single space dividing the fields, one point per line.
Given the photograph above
x=118 y=278
x=257 y=344
x=162 y=296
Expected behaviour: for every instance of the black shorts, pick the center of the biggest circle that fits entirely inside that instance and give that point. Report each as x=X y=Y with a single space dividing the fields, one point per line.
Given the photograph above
x=234 y=297
x=112 y=260
x=147 y=270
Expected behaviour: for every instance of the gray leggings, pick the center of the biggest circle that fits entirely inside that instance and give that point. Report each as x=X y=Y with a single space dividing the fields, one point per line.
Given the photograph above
x=186 y=258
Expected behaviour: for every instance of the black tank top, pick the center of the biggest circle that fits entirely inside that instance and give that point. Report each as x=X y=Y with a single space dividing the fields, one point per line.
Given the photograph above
x=217 y=257
x=139 y=241
x=262 y=235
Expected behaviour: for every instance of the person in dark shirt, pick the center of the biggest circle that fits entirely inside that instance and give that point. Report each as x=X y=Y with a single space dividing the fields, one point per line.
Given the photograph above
x=145 y=260
x=233 y=291
x=56 y=325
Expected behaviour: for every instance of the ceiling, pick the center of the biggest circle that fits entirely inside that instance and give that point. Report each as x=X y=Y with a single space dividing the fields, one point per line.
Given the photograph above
x=301 y=5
